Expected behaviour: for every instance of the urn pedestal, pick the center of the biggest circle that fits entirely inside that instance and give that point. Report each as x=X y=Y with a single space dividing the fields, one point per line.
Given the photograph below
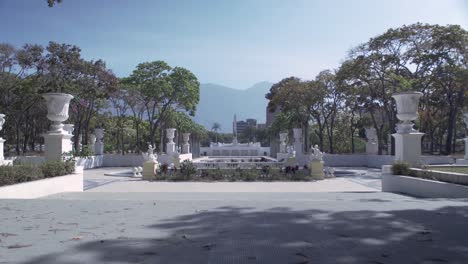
x=57 y=140
x=371 y=145
x=316 y=169
x=150 y=168
x=407 y=139
x=297 y=133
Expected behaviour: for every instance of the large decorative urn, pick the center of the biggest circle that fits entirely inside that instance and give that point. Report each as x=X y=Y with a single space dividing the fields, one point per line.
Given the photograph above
x=186 y=145
x=407 y=110
x=57 y=109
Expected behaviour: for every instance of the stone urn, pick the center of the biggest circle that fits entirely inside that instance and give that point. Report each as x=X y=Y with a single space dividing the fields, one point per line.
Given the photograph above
x=57 y=109
x=99 y=133
x=170 y=134
x=186 y=138
x=407 y=110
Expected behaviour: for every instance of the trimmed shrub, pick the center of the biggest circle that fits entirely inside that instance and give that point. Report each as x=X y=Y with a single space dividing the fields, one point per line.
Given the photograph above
x=401 y=168
x=27 y=172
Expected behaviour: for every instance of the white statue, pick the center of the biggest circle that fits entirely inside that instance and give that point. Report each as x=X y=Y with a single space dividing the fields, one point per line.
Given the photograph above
x=316 y=154
x=150 y=155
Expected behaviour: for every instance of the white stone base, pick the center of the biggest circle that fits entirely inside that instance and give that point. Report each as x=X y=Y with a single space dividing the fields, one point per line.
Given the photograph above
x=408 y=148
x=56 y=143
x=422 y=187
x=316 y=169
x=149 y=170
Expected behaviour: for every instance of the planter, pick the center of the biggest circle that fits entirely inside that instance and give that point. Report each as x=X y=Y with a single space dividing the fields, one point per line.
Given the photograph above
x=422 y=187
x=407 y=110
x=57 y=109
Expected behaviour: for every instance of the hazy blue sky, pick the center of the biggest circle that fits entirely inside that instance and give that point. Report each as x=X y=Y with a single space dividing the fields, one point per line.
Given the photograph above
x=233 y=42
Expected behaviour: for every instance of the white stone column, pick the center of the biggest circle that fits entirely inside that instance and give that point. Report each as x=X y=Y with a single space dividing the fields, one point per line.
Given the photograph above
x=69 y=128
x=407 y=139
x=186 y=144
x=99 y=145
x=297 y=133
x=170 y=145
x=57 y=140
x=283 y=139
x=372 y=147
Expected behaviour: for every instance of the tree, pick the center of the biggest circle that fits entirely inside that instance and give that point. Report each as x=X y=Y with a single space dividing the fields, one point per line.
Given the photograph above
x=163 y=88
x=216 y=127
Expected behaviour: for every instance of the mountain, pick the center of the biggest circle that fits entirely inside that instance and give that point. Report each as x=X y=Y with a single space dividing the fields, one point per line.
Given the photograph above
x=219 y=104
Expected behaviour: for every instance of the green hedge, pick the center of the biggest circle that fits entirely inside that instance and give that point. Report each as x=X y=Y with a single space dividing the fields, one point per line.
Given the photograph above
x=24 y=173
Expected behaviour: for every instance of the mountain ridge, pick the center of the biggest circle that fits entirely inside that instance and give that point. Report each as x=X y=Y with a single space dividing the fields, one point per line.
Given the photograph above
x=219 y=103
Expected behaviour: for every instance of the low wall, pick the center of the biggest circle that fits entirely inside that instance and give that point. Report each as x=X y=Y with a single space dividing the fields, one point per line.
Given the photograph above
x=118 y=160
x=44 y=187
x=376 y=161
x=422 y=187
x=90 y=162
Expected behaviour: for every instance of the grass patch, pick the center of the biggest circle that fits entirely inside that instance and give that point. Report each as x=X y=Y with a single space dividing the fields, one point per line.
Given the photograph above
x=463 y=170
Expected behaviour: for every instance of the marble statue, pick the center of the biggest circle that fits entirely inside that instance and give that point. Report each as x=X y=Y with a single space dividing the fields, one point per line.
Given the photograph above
x=316 y=154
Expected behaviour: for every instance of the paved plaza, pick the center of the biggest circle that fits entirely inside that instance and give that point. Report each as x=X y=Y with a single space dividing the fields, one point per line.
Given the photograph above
x=307 y=226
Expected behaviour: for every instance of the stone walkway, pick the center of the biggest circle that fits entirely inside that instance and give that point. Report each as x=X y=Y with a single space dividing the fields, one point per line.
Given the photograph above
x=269 y=228
x=188 y=223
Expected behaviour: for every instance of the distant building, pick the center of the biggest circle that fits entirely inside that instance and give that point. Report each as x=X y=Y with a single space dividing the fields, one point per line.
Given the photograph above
x=261 y=126
x=242 y=125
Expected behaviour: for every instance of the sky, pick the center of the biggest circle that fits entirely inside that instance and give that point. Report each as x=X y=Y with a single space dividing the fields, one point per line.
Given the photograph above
x=235 y=43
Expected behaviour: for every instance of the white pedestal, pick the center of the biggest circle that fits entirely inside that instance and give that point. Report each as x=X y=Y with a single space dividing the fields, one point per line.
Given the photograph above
x=372 y=148
x=56 y=143
x=99 y=148
x=185 y=148
x=149 y=170
x=408 y=148
x=316 y=169
x=170 y=147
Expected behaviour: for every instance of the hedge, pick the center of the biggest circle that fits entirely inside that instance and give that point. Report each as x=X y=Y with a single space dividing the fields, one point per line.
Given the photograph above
x=27 y=172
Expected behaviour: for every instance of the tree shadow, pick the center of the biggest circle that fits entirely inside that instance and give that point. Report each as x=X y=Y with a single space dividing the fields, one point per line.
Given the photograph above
x=285 y=235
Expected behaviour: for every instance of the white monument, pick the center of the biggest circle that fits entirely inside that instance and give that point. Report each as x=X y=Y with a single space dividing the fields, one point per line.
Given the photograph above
x=316 y=162
x=186 y=144
x=372 y=146
x=99 y=145
x=151 y=165
x=283 y=140
x=57 y=140
x=92 y=142
x=407 y=139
